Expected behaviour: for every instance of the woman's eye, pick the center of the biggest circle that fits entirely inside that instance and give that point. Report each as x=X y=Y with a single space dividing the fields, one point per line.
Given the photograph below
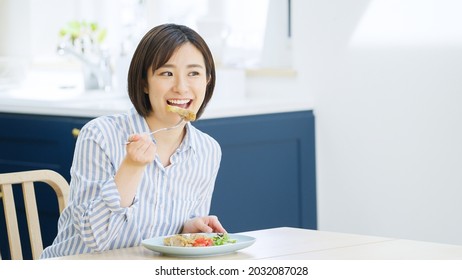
x=194 y=73
x=166 y=73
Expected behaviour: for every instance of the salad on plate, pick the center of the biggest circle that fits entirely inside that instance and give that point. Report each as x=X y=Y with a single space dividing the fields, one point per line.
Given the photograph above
x=198 y=240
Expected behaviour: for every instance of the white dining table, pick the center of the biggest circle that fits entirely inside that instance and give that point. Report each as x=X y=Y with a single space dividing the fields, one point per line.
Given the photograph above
x=287 y=243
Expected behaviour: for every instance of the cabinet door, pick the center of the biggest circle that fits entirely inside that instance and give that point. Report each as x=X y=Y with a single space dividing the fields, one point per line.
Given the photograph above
x=33 y=142
x=29 y=142
x=267 y=174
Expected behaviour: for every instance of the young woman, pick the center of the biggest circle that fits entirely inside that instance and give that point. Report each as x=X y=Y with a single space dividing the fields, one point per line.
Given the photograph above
x=155 y=185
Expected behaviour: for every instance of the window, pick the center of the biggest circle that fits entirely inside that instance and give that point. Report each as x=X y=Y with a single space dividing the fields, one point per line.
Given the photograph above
x=234 y=29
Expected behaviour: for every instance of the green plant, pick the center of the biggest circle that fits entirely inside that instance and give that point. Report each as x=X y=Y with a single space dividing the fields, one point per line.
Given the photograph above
x=83 y=32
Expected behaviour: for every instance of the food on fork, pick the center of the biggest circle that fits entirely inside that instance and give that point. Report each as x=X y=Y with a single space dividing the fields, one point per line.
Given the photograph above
x=197 y=240
x=184 y=113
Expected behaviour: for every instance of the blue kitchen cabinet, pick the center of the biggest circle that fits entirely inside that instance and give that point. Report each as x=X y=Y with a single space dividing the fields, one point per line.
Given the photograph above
x=29 y=142
x=267 y=176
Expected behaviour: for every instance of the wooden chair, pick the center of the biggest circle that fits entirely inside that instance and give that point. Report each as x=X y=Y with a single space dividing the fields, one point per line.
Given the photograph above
x=26 y=179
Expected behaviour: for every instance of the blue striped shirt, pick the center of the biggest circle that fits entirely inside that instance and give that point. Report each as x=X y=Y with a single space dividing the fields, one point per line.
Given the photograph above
x=166 y=197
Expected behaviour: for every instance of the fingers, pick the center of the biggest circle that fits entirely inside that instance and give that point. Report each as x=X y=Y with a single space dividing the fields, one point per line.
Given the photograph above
x=215 y=224
x=141 y=149
x=133 y=138
x=138 y=138
x=206 y=224
x=201 y=226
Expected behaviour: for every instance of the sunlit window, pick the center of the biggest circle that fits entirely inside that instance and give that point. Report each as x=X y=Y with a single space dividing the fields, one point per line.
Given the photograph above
x=234 y=29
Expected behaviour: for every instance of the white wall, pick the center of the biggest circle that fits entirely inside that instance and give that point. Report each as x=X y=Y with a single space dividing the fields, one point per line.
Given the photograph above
x=388 y=102
x=14 y=28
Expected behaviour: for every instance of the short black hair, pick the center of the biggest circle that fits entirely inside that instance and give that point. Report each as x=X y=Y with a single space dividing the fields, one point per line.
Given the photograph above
x=154 y=50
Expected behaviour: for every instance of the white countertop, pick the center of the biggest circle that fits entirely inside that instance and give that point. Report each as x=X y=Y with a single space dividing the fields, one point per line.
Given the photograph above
x=60 y=91
x=94 y=104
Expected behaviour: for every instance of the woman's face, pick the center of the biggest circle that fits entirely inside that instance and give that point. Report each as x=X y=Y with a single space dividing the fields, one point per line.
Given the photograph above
x=181 y=82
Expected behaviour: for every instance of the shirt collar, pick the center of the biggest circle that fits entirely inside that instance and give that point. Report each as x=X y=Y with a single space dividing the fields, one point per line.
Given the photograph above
x=189 y=141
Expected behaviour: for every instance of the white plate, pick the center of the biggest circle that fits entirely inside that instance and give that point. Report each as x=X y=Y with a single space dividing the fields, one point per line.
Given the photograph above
x=157 y=244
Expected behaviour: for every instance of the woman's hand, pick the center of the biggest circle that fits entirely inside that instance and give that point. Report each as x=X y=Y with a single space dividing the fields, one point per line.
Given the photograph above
x=207 y=224
x=141 y=150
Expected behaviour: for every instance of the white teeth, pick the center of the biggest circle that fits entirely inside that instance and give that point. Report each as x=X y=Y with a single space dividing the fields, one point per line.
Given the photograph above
x=179 y=101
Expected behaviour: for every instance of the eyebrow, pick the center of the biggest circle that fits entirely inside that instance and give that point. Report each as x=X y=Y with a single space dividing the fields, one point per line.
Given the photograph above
x=188 y=66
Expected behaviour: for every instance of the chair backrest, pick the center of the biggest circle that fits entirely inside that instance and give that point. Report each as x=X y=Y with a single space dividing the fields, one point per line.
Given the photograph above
x=26 y=179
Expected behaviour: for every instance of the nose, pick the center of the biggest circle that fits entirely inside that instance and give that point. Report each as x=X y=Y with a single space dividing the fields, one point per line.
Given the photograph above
x=181 y=85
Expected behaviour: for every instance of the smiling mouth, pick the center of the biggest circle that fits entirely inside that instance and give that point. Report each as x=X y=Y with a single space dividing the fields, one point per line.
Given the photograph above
x=182 y=103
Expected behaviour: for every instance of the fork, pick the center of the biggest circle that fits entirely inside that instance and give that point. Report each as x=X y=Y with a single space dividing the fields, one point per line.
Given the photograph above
x=163 y=129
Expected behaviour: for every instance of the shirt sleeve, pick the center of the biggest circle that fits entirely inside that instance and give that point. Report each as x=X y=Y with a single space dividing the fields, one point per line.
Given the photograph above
x=203 y=208
x=97 y=214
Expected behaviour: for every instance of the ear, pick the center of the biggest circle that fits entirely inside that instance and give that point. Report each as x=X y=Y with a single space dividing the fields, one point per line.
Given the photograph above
x=145 y=87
